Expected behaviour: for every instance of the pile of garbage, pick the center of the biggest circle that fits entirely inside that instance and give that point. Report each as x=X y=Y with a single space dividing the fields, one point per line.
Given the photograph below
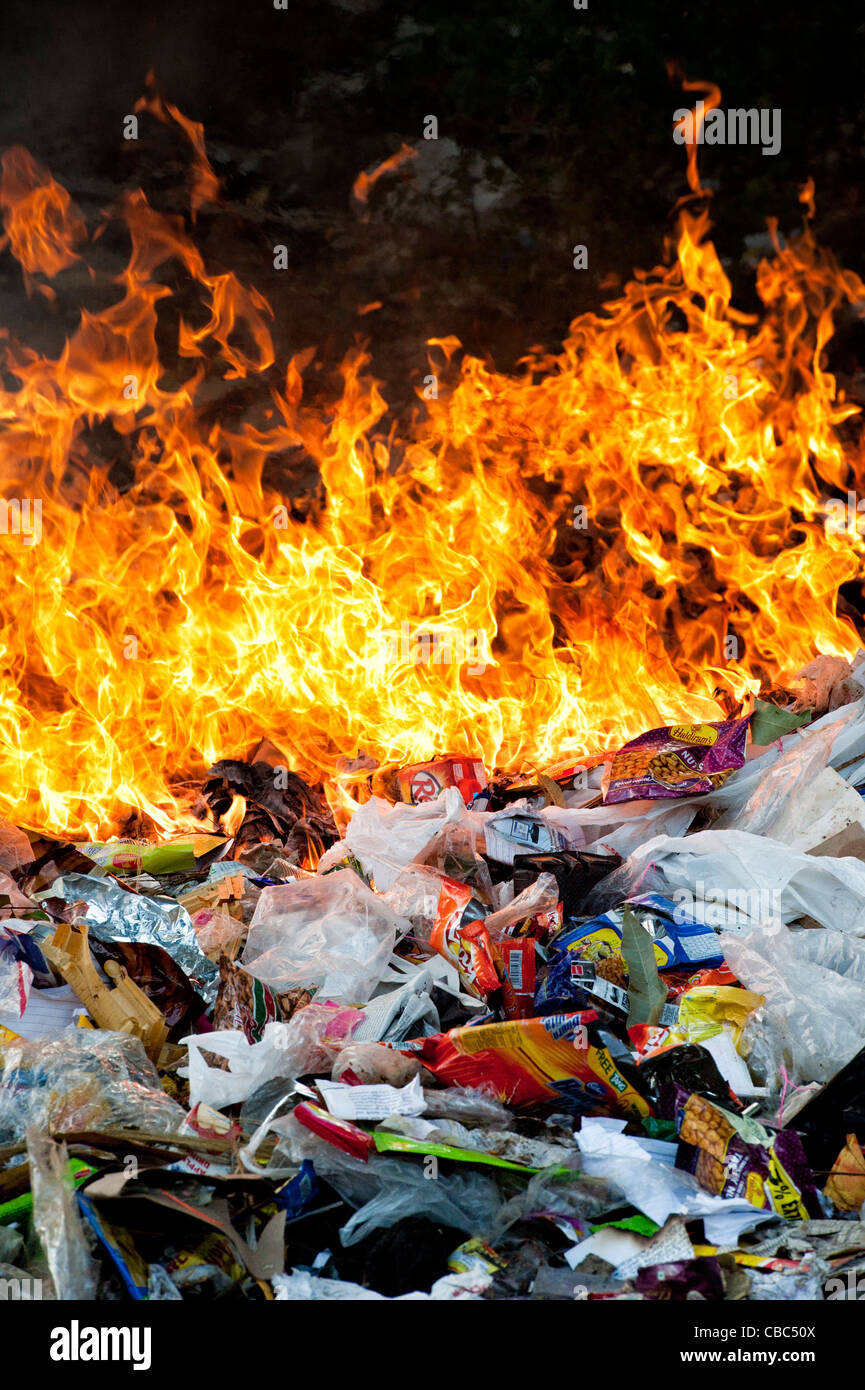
x=597 y=1034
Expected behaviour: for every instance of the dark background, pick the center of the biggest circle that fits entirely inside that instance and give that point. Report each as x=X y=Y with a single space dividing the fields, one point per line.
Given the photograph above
x=554 y=129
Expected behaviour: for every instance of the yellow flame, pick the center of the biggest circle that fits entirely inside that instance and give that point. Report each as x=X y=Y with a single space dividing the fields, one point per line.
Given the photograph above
x=592 y=545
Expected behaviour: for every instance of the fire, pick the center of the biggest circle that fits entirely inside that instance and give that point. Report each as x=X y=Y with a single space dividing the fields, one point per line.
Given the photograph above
x=634 y=524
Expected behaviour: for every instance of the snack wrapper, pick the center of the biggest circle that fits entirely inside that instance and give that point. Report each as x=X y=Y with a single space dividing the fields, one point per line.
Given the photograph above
x=466 y=945
x=734 y=1156
x=243 y=1002
x=678 y=760
x=570 y=983
x=515 y=964
x=676 y=941
x=563 y=1059
x=173 y=857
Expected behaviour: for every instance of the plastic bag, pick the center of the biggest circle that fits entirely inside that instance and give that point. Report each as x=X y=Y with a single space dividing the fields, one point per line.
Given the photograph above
x=385 y=838
x=540 y=897
x=397 y=1189
x=415 y=894
x=468 y=1105
x=643 y=1169
x=56 y=1219
x=308 y=1043
x=331 y=931
x=728 y=878
x=83 y=1079
x=215 y=931
x=570 y=1197
x=371 y=1063
x=16 y=977
x=811 y=1023
x=774 y=806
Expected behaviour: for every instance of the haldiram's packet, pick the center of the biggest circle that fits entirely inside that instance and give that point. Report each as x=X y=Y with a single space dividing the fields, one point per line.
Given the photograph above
x=680 y=760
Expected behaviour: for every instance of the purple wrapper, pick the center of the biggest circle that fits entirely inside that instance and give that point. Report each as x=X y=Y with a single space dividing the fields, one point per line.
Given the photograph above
x=679 y=760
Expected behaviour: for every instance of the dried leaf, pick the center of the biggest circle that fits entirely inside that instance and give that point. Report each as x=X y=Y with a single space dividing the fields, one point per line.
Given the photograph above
x=646 y=991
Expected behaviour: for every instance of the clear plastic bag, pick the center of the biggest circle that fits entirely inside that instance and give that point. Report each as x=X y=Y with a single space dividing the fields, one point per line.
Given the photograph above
x=774 y=806
x=729 y=877
x=385 y=838
x=56 y=1219
x=215 y=931
x=385 y=1190
x=16 y=977
x=330 y=932
x=571 y=1196
x=391 y=1189
x=372 y=1063
x=540 y=896
x=308 y=1043
x=811 y=1023
x=83 y=1079
x=414 y=895
x=469 y=1106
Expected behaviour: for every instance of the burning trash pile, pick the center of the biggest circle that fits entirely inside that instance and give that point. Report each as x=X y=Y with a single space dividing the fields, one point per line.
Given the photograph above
x=523 y=956
x=597 y=1035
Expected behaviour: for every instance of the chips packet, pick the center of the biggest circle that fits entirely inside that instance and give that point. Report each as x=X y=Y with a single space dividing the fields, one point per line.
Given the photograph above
x=678 y=760
x=735 y=1156
x=564 y=1059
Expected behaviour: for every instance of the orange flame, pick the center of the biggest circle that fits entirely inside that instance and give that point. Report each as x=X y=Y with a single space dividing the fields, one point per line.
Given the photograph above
x=205 y=184
x=364 y=183
x=42 y=223
x=590 y=547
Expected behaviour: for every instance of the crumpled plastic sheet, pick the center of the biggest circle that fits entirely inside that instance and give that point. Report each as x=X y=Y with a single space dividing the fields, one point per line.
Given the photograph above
x=814 y=984
x=468 y=1105
x=798 y=1285
x=467 y=1201
x=307 y=1043
x=385 y=1190
x=331 y=932
x=757 y=879
x=622 y=828
x=56 y=1219
x=540 y=896
x=577 y=1198
x=773 y=808
x=83 y=1079
x=414 y=894
x=385 y=838
x=114 y=914
x=305 y=1288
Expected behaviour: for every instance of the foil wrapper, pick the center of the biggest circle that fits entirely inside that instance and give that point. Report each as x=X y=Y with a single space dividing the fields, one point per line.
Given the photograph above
x=114 y=914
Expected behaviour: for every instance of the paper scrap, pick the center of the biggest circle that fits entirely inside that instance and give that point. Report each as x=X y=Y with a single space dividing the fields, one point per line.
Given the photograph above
x=372 y=1102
